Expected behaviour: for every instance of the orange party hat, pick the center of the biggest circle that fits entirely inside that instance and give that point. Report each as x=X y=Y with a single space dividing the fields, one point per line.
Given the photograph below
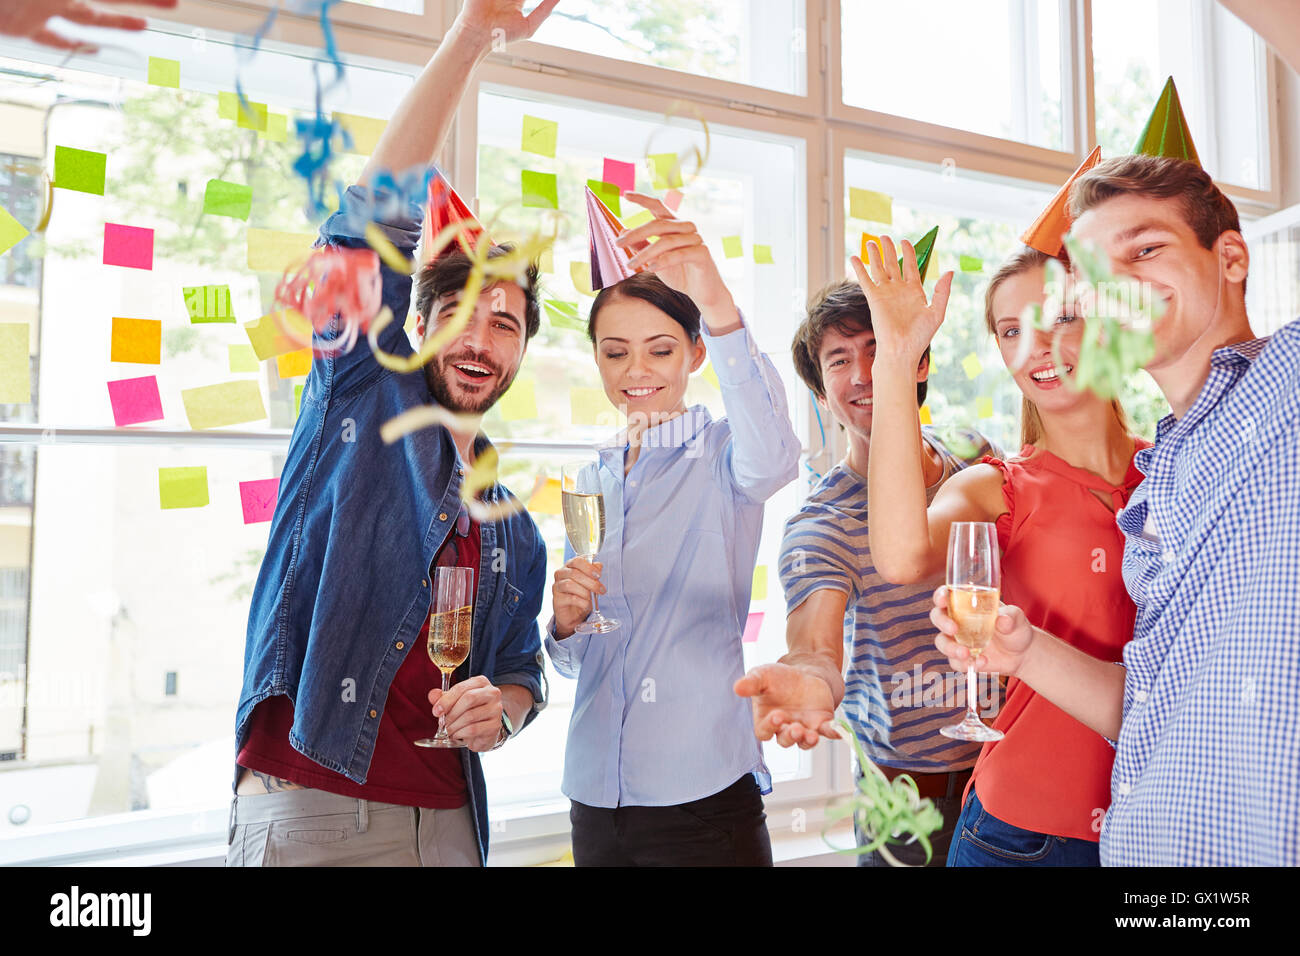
x=1049 y=229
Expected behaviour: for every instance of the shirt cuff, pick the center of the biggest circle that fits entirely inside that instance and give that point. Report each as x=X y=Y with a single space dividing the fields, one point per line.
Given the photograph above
x=562 y=651
x=735 y=355
x=400 y=222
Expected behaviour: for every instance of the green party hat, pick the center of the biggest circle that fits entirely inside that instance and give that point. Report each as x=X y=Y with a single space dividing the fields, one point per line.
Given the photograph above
x=1166 y=132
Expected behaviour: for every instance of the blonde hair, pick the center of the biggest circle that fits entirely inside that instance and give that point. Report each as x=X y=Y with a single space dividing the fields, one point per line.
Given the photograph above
x=1031 y=423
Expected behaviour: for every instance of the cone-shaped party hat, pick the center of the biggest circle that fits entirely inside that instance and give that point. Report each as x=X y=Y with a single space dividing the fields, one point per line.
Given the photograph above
x=445 y=208
x=609 y=263
x=924 y=248
x=1166 y=132
x=1047 y=234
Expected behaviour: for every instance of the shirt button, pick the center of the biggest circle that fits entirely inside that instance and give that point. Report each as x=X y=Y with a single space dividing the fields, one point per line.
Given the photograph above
x=632 y=482
x=443 y=516
x=1140 y=696
x=424 y=584
x=460 y=471
x=1124 y=788
x=400 y=645
x=731 y=361
x=373 y=712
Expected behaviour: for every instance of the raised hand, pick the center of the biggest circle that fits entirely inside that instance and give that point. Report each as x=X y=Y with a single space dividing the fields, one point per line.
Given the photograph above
x=502 y=21
x=790 y=704
x=28 y=18
x=903 y=320
x=1013 y=636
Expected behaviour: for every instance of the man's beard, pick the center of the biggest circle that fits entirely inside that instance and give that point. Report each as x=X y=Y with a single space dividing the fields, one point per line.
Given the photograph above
x=435 y=375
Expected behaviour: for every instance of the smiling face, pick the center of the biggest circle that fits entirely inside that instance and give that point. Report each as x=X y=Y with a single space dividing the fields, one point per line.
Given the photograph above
x=645 y=358
x=845 y=359
x=476 y=368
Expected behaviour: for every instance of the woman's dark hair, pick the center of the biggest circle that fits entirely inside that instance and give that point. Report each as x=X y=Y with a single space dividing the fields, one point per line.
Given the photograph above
x=648 y=287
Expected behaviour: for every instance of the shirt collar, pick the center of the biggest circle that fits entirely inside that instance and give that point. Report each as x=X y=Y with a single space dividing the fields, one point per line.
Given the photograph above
x=674 y=433
x=1234 y=358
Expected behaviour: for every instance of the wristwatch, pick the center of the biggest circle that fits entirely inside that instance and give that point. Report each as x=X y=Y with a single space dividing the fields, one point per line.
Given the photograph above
x=507 y=729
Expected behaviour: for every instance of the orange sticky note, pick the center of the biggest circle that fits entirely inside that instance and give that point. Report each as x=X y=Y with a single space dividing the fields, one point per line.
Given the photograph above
x=293 y=364
x=269 y=339
x=137 y=340
x=546 y=499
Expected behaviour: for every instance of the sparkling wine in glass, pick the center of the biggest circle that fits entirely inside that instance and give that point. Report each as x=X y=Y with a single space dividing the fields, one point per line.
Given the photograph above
x=451 y=621
x=583 y=505
x=974 y=587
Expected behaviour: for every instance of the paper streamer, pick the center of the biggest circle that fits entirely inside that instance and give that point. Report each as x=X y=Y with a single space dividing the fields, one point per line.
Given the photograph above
x=335 y=281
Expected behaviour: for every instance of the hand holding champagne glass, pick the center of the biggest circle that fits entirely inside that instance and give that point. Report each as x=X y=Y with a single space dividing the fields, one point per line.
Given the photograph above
x=451 y=622
x=974 y=584
x=583 y=505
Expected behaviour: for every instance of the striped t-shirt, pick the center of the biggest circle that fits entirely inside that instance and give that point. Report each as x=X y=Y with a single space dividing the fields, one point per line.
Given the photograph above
x=898 y=689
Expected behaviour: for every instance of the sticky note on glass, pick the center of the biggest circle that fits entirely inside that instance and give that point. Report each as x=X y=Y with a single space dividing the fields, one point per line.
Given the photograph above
x=12 y=231
x=589 y=406
x=606 y=193
x=136 y=340
x=258 y=499
x=230 y=403
x=520 y=402
x=129 y=246
x=732 y=247
x=971 y=264
x=293 y=364
x=753 y=624
x=673 y=199
x=80 y=170
x=539 y=136
x=364 y=130
x=868 y=239
x=564 y=315
x=228 y=199
x=971 y=365
x=15 y=364
x=164 y=72
x=925 y=415
x=251 y=116
x=183 y=487
x=208 y=303
x=762 y=254
x=622 y=175
x=228 y=106
x=640 y=219
x=135 y=400
x=984 y=407
x=665 y=170
x=297 y=400
x=709 y=375
x=272 y=251
x=871 y=205
x=277 y=128
x=539 y=189
x=546 y=499
x=758 y=591
x=242 y=358
x=580 y=273
x=269 y=339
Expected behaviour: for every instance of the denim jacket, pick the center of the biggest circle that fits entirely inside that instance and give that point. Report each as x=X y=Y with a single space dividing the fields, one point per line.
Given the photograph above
x=344 y=587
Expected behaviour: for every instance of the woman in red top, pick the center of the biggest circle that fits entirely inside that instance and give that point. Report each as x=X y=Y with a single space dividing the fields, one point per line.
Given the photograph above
x=1037 y=796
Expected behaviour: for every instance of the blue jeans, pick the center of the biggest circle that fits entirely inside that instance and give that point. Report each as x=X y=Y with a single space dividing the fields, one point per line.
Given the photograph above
x=984 y=840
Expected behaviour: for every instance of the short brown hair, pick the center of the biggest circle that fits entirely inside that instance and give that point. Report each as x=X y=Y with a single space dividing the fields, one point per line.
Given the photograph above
x=841 y=306
x=447 y=275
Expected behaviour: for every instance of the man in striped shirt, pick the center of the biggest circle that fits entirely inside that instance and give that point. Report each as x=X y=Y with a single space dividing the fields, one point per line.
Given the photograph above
x=898 y=691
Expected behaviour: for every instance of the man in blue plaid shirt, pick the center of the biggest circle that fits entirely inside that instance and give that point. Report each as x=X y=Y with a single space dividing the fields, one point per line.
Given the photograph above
x=1204 y=711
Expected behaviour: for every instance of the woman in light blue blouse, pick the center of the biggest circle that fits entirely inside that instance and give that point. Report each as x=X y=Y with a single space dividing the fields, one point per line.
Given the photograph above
x=662 y=766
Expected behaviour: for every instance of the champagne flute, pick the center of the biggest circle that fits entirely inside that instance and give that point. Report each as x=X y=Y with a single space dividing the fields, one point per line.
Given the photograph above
x=974 y=586
x=451 y=622
x=583 y=505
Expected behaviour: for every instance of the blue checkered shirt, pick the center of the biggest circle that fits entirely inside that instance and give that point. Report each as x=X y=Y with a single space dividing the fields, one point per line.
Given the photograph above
x=1207 y=765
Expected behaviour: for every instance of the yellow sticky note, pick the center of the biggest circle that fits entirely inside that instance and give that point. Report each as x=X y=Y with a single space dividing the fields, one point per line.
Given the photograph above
x=665 y=170
x=364 y=130
x=164 y=72
x=228 y=106
x=242 y=358
x=732 y=247
x=293 y=364
x=230 y=403
x=15 y=364
x=269 y=339
x=252 y=116
x=972 y=365
x=710 y=376
x=871 y=205
x=272 y=251
x=12 y=231
x=297 y=401
x=640 y=219
x=589 y=406
x=183 y=487
x=925 y=415
x=984 y=407
x=539 y=136
x=762 y=254
x=546 y=499
x=520 y=402
x=758 y=592
x=136 y=340
x=277 y=128
x=866 y=239
x=580 y=273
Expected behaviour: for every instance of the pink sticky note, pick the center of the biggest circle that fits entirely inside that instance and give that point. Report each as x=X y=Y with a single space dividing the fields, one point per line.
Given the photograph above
x=752 y=625
x=672 y=199
x=128 y=246
x=135 y=400
x=622 y=175
x=258 y=499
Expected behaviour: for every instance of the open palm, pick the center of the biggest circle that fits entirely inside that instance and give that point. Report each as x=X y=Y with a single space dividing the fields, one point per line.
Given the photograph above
x=28 y=18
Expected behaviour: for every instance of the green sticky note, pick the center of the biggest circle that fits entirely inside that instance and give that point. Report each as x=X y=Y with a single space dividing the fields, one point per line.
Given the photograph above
x=972 y=366
x=230 y=403
x=984 y=407
x=277 y=128
x=208 y=303
x=539 y=136
x=539 y=189
x=297 y=399
x=252 y=116
x=12 y=231
x=228 y=106
x=870 y=205
x=228 y=199
x=665 y=170
x=564 y=315
x=183 y=487
x=608 y=194
x=242 y=358
x=640 y=219
x=164 y=72
x=79 y=169
x=732 y=247
x=762 y=254
x=971 y=264
x=520 y=402
x=15 y=366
